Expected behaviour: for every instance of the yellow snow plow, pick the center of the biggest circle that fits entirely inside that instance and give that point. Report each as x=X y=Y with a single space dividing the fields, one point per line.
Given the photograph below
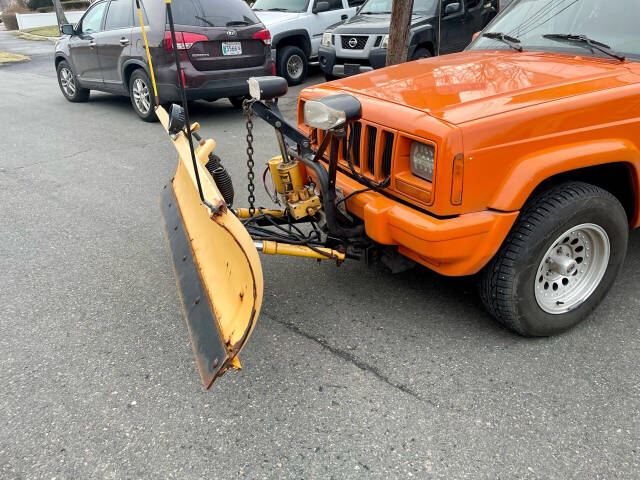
x=216 y=264
x=215 y=247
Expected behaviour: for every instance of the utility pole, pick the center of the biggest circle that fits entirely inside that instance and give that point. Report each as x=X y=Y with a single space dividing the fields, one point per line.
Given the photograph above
x=399 y=31
x=60 y=16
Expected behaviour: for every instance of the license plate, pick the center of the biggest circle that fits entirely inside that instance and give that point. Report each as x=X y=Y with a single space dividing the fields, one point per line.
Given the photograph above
x=351 y=69
x=231 y=48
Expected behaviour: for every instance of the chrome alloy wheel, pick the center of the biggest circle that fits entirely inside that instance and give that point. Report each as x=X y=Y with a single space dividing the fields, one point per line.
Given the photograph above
x=67 y=82
x=572 y=268
x=141 y=96
x=295 y=66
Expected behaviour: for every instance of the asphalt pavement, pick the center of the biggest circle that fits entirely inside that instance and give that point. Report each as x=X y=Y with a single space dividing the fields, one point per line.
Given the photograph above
x=351 y=372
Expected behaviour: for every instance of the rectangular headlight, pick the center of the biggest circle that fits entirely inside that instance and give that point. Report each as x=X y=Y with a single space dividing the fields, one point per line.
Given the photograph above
x=327 y=39
x=320 y=116
x=422 y=157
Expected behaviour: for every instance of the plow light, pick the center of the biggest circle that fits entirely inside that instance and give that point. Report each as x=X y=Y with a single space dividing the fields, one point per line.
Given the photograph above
x=267 y=88
x=331 y=112
x=177 y=120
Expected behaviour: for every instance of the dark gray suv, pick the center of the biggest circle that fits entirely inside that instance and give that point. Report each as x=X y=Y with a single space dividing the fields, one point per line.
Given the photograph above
x=221 y=44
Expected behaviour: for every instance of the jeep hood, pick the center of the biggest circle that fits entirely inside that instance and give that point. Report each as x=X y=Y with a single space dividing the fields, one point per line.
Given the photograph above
x=470 y=85
x=271 y=18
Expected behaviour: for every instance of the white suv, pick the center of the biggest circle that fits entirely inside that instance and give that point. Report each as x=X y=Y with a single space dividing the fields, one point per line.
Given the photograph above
x=296 y=28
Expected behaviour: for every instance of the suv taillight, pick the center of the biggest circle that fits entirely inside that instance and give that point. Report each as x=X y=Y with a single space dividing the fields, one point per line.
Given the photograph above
x=264 y=35
x=184 y=40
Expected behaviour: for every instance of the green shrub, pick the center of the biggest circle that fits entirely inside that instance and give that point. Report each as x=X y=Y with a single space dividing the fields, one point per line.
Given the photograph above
x=69 y=5
x=75 y=5
x=36 y=4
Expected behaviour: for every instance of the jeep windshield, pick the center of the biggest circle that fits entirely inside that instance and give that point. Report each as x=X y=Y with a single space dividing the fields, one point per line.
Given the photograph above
x=561 y=25
x=378 y=7
x=281 y=5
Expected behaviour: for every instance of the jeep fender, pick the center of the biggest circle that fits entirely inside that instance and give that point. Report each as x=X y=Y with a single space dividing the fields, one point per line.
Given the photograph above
x=531 y=170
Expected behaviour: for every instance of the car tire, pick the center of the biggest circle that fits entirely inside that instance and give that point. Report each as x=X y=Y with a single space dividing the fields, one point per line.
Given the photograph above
x=291 y=63
x=69 y=85
x=238 y=101
x=141 y=94
x=421 y=52
x=558 y=262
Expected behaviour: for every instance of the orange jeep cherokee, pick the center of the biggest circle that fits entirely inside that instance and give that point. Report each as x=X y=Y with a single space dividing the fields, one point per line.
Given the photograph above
x=517 y=159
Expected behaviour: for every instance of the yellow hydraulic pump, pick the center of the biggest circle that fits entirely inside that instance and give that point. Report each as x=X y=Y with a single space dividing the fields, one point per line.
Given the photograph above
x=289 y=180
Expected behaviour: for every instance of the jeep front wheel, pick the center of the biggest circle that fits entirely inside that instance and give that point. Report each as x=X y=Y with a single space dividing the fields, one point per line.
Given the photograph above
x=559 y=260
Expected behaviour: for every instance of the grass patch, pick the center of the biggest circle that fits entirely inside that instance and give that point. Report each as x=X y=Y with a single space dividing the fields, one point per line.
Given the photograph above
x=50 y=31
x=6 y=57
x=38 y=33
x=28 y=36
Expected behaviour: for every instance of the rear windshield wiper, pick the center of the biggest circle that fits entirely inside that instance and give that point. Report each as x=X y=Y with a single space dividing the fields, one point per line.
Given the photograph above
x=202 y=19
x=513 y=42
x=592 y=44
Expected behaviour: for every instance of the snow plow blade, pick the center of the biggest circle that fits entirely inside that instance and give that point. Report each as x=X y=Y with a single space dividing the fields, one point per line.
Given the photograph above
x=216 y=264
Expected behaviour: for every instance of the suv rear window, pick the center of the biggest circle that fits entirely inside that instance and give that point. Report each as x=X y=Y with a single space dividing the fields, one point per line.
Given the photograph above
x=213 y=13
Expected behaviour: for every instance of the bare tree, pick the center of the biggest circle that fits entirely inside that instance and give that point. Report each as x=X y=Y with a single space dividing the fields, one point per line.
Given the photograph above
x=61 y=17
x=399 y=31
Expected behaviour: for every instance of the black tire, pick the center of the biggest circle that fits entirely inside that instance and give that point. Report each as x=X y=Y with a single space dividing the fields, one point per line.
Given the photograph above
x=507 y=283
x=284 y=57
x=71 y=90
x=238 y=101
x=421 y=52
x=147 y=114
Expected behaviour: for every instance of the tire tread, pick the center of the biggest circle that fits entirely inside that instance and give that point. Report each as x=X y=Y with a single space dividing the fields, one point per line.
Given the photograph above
x=497 y=282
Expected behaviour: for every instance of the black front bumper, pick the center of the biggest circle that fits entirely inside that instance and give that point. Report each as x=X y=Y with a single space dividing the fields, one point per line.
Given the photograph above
x=345 y=67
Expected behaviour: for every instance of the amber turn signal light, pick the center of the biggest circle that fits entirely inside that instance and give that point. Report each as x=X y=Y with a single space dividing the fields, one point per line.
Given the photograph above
x=457 y=179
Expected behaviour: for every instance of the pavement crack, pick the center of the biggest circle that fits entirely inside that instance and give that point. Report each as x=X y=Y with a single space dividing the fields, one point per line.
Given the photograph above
x=349 y=357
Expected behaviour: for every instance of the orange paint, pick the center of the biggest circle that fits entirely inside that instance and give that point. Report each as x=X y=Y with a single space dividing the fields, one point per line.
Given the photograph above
x=516 y=120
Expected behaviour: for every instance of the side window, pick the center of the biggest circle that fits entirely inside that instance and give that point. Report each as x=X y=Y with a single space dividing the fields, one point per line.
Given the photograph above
x=92 y=20
x=119 y=15
x=136 y=19
x=355 y=3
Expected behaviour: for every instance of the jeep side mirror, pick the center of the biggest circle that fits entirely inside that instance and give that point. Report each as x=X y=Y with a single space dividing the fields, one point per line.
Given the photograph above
x=452 y=8
x=321 y=7
x=67 y=29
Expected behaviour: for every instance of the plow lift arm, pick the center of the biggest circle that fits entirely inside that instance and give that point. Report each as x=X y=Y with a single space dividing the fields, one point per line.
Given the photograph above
x=215 y=248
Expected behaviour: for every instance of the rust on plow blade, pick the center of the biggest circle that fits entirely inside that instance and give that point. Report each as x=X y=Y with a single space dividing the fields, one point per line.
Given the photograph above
x=217 y=267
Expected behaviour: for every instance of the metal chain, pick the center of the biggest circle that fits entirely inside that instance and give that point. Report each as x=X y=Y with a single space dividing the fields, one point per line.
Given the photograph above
x=250 y=163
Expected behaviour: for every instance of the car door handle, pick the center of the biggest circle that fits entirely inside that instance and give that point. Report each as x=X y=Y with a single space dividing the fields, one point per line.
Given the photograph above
x=344 y=17
x=92 y=44
x=124 y=41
